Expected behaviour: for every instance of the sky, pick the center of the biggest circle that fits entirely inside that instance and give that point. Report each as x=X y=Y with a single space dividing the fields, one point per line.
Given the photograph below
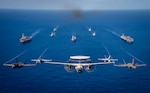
x=75 y=4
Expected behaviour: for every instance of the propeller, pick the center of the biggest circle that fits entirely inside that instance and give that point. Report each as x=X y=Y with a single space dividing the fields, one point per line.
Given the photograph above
x=69 y=68
x=90 y=68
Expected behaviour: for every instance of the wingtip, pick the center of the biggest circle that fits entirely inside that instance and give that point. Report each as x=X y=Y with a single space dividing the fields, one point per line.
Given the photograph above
x=4 y=64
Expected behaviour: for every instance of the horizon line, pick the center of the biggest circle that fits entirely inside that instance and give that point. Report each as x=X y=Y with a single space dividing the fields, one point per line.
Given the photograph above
x=70 y=9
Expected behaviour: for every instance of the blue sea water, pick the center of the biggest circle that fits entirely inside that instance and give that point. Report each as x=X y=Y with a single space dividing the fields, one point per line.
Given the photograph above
x=46 y=78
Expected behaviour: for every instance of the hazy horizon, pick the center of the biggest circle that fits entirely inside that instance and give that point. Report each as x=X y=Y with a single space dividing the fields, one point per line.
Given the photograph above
x=75 y=5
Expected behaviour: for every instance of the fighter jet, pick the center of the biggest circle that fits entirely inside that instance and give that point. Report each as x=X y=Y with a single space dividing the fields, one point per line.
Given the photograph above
x=131 y=65
x=18 y=64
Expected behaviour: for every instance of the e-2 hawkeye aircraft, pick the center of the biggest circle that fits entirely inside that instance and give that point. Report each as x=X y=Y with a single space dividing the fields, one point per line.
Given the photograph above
x=131 y=65
x=18 y=64
x=79 y=63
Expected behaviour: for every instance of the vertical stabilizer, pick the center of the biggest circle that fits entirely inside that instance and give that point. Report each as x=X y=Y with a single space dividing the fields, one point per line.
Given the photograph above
x=22 y=35
x=133 y=61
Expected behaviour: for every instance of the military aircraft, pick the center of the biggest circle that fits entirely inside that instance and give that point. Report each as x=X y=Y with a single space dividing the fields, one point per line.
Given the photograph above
x=131 y=65
x=108 y=59
x=18 y=64
x=89 y=29
x=40 y=59
x=77 y=63
x=55 y=29
x=74 y=38
x=52 y=34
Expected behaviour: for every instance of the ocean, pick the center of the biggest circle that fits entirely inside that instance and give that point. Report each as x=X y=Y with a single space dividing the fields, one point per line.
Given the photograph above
x=46 y=78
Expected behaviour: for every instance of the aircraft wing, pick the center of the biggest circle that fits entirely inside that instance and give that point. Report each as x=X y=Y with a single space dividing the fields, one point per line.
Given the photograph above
x=41 y=60
x=102 y=59
x=8 y=64
x=114 y=59
x=34 y=60
x=29 y=65
x=58 y=63
x=120 y=65
x=96 y=63
x=46 y=60
x=140 y=65
x=105 y=59
x=75 y=64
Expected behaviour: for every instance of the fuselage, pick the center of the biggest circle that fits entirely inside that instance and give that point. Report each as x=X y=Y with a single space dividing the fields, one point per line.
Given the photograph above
x=108 y=60
x=94 y=34
x=131 y=66
x=17 y=65
x=39 y=61
x=89 y=29
x=52 y=34
x=73 y=38
x=54 y=29
x=79 y=68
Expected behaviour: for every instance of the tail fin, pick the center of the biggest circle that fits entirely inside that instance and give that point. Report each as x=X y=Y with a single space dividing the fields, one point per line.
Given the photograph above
x=109 y=56
x=133 y=61
x=105 y=56
x=22 y=34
